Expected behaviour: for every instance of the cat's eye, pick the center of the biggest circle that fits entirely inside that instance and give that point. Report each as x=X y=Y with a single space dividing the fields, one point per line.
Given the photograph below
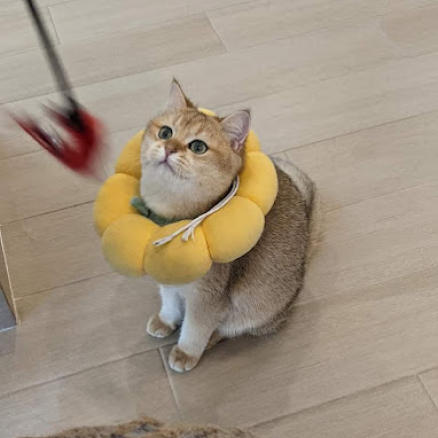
x=165 y=133
x=198 y=147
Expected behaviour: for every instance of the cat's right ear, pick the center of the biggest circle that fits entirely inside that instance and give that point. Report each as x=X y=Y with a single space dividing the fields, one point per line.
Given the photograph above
x=177 y=99
x=237 y=127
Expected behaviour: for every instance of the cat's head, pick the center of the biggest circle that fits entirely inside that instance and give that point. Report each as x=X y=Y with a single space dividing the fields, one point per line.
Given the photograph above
x=189 y=159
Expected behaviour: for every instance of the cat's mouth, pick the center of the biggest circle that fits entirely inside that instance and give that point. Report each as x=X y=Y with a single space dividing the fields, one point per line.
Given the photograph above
x=169 y=168
x=166 y=165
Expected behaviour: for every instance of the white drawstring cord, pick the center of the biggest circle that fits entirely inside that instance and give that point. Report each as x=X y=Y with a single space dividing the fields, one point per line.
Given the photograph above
x=189 y=229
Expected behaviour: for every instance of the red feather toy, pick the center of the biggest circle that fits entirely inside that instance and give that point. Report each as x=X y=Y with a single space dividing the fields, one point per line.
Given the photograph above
x=79 y=148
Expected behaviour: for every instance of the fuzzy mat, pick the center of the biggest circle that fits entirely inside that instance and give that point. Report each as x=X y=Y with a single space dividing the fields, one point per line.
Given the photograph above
x=148 y=428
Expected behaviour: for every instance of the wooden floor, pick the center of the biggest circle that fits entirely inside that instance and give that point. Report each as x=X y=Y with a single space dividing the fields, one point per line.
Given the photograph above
x=347 y=89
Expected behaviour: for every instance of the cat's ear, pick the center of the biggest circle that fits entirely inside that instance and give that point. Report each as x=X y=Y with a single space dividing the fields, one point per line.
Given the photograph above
x=177 y=98
x=237 y=127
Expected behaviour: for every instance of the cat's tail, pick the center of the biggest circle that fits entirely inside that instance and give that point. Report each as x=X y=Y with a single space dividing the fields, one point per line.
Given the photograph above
x=312 y=200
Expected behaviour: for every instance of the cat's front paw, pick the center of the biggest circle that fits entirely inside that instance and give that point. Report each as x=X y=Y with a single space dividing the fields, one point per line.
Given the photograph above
x=159 y=329
x=182 y=362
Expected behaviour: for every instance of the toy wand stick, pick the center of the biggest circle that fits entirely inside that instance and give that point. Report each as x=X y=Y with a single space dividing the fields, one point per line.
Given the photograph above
x=85 y=131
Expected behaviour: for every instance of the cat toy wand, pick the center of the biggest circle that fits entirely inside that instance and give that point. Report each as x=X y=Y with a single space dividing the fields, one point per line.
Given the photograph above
x=84 y=132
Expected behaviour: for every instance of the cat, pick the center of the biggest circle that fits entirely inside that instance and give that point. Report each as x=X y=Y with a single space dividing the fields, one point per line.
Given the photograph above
x=149 y=428
x=189 y=161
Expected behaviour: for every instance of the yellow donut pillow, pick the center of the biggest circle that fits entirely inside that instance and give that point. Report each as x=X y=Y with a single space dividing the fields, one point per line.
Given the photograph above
x=229 y=233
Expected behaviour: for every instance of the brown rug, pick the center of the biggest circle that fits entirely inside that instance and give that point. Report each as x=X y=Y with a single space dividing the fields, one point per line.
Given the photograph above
x=148 y=428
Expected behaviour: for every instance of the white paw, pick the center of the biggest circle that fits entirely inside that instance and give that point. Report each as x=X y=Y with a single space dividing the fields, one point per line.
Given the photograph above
x=159 y=329
x=181 y=362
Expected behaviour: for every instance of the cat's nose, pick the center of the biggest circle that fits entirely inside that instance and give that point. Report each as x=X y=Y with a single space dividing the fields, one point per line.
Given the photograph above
x=170 y=149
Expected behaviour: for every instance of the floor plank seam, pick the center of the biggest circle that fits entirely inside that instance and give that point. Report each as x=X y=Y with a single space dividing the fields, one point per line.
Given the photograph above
x=334 y=26
x=390 y=42
x=57 y=210
x=142 y=26
x=257 y=96
x=352 y=289
x=119 y=76
x=20 y=11
x=336 y=399
x=20 y=154
x=170 y=381
x=76 y=373
x=220 y=8
x=427 y=392
x=18 y=299
x=52 y=20
x=216 y=31
x=220 y=108
x=430 y=181
x=345 y=134
x=130 y=30
x=12 y=301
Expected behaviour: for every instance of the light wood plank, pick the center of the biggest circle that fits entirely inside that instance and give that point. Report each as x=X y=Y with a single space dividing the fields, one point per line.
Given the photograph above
x=51 y=250
x=116 y=392
x=110 y=57
x=400 y=409
x=327 y=55
x=376 y=240
x=380 y=213
x=276 y=66
x=83 y=19
x=414 y=32
x=331 y=348
x=260 y=21
x=383 y=94
x=144 y=49
x=373 y=162
x=76 y=327
x=17 y=33
x=289 y=63
x=35 y=183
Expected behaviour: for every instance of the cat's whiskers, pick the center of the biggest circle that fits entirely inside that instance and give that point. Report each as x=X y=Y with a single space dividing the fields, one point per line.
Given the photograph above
x=179 y=174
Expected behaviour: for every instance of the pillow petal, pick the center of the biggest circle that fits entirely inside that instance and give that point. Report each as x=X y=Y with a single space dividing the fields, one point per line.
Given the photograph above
x=114 y=200
x=233 y=230
x=124 y=244
x=128 y=237
x=177 y=262
x=258 y=181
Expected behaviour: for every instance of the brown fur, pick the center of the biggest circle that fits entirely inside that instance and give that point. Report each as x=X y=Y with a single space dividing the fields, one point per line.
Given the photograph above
x=148 y=428
x=261 y=285
x=253 y=294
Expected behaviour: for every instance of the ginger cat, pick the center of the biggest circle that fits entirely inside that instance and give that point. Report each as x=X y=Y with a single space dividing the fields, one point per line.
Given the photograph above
x=189 y=161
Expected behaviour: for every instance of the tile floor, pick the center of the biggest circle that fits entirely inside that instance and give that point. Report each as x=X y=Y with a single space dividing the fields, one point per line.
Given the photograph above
x=347 y=89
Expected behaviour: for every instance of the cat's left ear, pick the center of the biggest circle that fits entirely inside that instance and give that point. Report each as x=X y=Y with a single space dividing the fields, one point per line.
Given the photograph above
x=177 y=98
x=237 y=127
